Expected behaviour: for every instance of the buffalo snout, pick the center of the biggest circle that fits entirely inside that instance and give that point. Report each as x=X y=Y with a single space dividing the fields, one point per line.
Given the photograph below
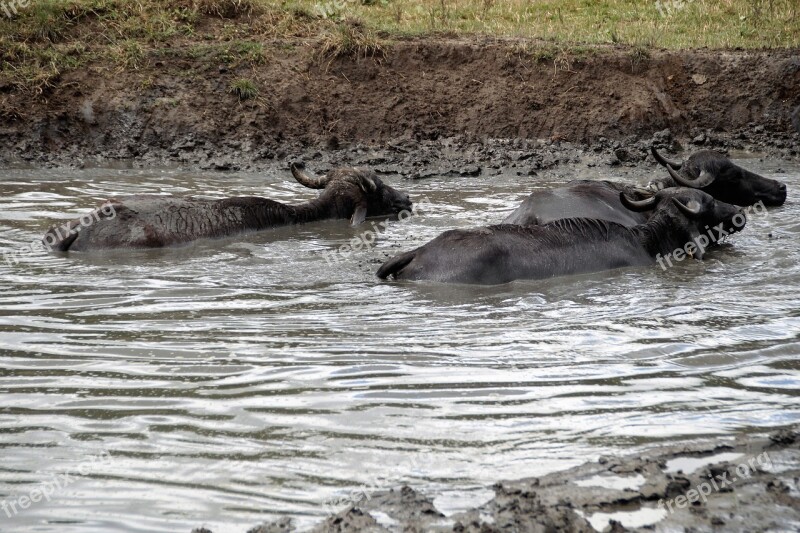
x=403 y=203
x=768 y=191
x=734 y=217
x=777 y=196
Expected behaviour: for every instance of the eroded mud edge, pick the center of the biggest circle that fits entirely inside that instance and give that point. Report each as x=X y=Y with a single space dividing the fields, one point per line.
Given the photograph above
x=746 y=483
x=421 y=99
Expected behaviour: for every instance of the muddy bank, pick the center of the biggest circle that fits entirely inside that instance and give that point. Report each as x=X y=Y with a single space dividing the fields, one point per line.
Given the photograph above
x=742 y=484
x=457 y=95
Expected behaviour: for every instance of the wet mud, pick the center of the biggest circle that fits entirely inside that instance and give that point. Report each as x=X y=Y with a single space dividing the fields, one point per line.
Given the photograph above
x=742 y=484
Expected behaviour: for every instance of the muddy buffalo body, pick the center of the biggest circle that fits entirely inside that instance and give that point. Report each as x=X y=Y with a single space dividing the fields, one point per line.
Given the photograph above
x=507 y=252
x=580 y=198
x=158 y=221
x=706 y=170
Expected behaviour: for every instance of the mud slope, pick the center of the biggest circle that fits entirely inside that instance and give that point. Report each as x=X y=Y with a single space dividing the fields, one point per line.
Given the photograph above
x=174 y=107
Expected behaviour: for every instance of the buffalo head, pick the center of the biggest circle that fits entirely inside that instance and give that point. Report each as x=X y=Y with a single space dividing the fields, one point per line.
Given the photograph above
x=683 y=214
x=722 y=179
x=358 y=191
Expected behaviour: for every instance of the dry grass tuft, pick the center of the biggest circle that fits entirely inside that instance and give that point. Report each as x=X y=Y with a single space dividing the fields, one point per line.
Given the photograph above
x=351 y=39
x=243 y=89
x=227 y=9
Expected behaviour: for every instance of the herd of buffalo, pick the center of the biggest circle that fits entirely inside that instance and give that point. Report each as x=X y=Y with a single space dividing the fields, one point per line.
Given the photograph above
x=581 y=227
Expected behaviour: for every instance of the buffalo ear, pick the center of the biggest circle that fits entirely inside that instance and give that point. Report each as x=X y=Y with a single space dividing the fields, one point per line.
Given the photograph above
x=359 y=215
x=691 y=209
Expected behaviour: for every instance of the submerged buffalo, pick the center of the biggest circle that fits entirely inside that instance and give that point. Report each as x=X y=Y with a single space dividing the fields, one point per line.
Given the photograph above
x=684 y=221
x=704 y=170
x=157 y=221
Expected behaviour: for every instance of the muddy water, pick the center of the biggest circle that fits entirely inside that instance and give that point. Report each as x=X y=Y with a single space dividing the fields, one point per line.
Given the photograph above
x=232 y=381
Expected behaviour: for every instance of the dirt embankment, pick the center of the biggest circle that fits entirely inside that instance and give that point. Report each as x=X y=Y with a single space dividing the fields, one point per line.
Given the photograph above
x=742 y=485
x=178 y=109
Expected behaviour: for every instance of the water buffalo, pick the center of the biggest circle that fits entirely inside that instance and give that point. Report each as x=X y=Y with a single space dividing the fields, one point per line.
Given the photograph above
x=684 y=221
x=156 y=221
x=718 y=176
x=705 y=170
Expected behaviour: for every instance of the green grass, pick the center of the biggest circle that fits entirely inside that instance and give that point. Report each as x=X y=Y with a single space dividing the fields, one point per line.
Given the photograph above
x=668 y=24
x=663 y=23
x=244 y=89
x=128 y=54
x=51 y=37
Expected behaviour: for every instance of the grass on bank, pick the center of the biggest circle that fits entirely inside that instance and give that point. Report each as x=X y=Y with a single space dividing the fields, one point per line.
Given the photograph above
x=45 y=38
x=243 y=88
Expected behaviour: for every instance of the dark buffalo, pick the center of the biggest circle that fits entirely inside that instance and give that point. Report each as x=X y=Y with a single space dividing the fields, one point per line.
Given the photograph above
x=705 y=170
x=718 y=176
x=683 y=222
x=156 y=221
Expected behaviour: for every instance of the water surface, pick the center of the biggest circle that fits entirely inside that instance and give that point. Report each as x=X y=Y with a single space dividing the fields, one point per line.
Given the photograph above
x=232 y=381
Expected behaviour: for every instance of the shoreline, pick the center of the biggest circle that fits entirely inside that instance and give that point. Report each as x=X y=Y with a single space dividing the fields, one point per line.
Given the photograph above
x=741 y=483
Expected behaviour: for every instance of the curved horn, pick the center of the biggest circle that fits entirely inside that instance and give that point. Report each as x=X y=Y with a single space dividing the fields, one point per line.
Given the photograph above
x=306 y=180
x=367 y=184
x=638 y=205
x=663 y=161
x=688 y=211
x=703 y=180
